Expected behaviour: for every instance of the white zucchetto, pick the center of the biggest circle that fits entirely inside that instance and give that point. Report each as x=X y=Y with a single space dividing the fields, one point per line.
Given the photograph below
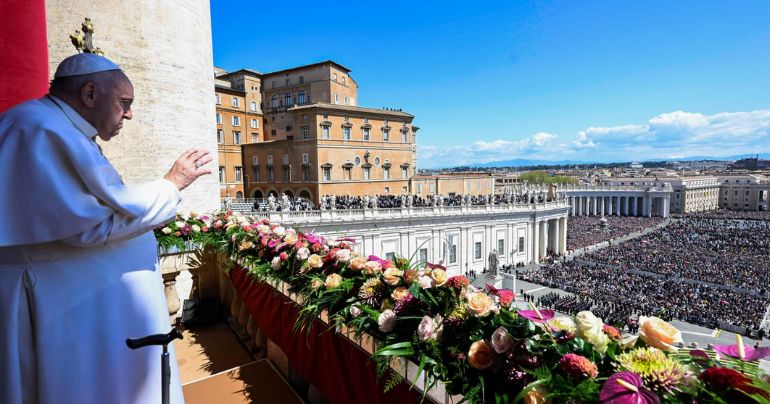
x=84 y=63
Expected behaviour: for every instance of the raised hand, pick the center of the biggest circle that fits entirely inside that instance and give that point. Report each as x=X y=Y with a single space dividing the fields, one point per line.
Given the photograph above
x=188 y=167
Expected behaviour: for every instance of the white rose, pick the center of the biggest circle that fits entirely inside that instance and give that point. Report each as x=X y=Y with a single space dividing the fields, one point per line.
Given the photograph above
x=425 y=282
x=590 y=329
x=355 y=310
x=430 y=328
x=501 y=341
x=315 y=261
x=387 y=321
x=342 y=255
x=276 y=263
x=179 y=224
x=279 y=231
x=303 y=253
x=166 y=230
x=196 y=228
x=262 y=228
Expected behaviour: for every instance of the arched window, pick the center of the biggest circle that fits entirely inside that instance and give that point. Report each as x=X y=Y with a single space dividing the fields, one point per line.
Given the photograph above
x=288 y=101
x=301 y=97
x=274 y=101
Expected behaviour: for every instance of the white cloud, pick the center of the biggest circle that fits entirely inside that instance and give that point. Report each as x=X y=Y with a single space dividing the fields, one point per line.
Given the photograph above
x=677 y=133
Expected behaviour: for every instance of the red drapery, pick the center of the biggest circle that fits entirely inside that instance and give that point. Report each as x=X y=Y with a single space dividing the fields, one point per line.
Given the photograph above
x=343 y=372
x=23 y=51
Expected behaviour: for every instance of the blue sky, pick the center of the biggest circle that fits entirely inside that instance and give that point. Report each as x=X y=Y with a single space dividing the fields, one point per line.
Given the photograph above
x=553 y=80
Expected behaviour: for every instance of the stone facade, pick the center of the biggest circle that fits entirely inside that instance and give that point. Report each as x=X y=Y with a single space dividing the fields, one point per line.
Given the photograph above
x=458 y=237
x=164 y=46
x=239 y=122
x=459 y=184
x=745 y=192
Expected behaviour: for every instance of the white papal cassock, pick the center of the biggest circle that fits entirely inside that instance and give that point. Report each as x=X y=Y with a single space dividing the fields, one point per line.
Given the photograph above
x=78 y=266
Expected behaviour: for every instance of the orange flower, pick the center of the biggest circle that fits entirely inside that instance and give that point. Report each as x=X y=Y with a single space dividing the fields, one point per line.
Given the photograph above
x=480 y=356
x=658 y=333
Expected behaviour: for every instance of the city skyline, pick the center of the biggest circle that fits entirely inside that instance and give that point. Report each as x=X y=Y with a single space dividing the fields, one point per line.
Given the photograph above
x=551 y=81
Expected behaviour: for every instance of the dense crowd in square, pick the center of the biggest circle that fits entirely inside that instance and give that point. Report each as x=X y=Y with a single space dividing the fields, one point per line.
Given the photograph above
x=727 y=214
x=584 y=231
x=619 y=296
x=734 y=253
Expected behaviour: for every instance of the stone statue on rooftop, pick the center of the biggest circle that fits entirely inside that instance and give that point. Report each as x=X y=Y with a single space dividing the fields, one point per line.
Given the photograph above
x=271 y=203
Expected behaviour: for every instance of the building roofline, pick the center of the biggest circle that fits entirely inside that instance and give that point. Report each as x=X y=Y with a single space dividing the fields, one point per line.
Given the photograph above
x=229 y=90
x=339 y=66
x=247 y=72
x=349 y=108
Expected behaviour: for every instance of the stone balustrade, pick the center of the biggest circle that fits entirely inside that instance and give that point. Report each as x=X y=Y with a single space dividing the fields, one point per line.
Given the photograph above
x=373 y=214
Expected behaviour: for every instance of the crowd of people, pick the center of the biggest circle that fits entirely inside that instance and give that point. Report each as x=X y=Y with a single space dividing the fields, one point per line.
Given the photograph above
x=584 y=231
x=731 y=253
x=618 y=296
x=726 y=215
x=417 y=201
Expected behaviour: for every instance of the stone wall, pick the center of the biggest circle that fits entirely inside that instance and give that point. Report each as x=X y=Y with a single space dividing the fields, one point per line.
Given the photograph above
x=164 y=46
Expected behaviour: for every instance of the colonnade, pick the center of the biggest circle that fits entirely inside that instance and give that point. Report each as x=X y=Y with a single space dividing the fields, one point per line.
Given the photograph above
x=619 y=205
x=549 y=236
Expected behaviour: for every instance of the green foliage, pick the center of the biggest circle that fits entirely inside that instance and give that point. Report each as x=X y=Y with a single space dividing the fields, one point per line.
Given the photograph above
x=542 y=177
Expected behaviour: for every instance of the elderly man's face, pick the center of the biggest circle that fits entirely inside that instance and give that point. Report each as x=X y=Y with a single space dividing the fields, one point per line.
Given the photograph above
x=115 y=99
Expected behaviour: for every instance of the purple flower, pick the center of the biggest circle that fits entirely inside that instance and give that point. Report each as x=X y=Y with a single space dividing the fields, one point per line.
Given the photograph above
x=750 y=354
x=626 y=388
x=537 y=316
x=377 y=259
x=346 y=239
x=313 y=239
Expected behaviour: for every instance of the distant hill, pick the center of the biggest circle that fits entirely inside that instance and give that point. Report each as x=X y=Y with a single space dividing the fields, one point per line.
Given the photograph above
x=533 y=163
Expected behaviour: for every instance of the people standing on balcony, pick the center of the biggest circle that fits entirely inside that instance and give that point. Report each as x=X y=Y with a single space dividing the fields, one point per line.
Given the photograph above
x=78 y=259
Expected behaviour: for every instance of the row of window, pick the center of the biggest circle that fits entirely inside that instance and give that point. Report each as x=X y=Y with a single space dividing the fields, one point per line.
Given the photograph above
x=347 y=173
x=236 y=137
x=288 y=81
x=236 y=102
x=365 y=134
x=288 y=99
x=236 y=121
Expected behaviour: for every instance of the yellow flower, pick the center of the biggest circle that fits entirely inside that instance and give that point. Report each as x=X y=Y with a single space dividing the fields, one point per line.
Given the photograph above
x=392 y=276
x=316 y=283
x=315 y=261
x=537 y=396
x=589 y=328
x=480 y=356
x=438 y=277
x=357 y=263
x=400 y=293
x=245 y=245
x=333 y=281
x=658 y=333
x=479 y=303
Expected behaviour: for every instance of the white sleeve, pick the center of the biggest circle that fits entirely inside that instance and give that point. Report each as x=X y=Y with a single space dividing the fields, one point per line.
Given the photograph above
x=159 y=198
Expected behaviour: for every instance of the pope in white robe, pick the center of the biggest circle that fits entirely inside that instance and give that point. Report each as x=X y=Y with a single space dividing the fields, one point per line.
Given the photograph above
x=78 y=263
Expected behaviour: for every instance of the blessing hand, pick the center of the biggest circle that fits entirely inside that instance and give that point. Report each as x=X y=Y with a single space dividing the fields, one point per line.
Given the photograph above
x=188 y=168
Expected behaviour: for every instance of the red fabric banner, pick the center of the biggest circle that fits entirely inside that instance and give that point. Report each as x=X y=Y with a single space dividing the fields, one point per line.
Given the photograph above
x=23 y=51
x=341 y=370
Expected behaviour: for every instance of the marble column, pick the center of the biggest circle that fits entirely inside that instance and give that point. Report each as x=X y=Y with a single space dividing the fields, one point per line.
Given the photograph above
x=625 y=210
x=601 y=206
x=556 y=237
x=536 y=242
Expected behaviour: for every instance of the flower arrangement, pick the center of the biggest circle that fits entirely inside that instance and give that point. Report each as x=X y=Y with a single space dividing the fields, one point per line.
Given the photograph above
x=473 y=340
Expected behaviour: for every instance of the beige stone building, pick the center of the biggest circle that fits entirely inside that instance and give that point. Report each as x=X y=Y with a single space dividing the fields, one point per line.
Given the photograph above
x=239 y=122
x=454 y=184
x=744 y=192
x=689 y=194
x=316 y=139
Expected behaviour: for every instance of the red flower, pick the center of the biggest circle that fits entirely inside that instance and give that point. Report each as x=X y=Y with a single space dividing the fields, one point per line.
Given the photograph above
x=729 y=384
x=458 y=282
x=578 y=367
x=505 y=297
x=283 y=256
x=317 y=247
x=611 y=332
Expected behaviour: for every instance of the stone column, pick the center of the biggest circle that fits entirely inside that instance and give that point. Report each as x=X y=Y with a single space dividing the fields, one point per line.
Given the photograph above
x=601 y=205
x=563 y=235
x=165 y=49
x=556 y=237
x=649 y=206
x=626 y=208
x=535 y=241
x=610 y=206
